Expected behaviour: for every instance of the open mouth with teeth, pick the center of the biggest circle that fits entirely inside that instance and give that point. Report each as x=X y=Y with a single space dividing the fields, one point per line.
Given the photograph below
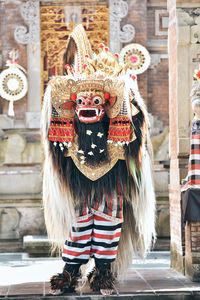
x=90 y=114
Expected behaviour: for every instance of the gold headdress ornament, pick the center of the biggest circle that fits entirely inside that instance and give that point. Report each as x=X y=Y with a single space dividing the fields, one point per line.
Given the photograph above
x=133 y=58
x=99 y=72
x=103 y=65
x=82 y=45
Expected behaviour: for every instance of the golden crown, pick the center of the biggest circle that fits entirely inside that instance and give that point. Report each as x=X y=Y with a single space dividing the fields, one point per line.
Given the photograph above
x=133 y=58
x=103 y=63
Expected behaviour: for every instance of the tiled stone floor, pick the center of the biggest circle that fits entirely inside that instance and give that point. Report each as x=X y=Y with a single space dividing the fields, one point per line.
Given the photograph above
x=25 y=278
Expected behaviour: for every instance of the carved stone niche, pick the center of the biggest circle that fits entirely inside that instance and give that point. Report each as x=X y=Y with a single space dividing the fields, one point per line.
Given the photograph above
x=189 y=22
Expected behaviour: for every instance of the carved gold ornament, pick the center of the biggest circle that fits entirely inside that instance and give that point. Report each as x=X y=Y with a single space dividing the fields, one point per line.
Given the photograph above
x=62 y=87
x=96 y=172
x=54 y=33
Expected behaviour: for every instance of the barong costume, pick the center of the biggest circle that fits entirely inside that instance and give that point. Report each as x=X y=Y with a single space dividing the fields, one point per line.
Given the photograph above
x=98 y=193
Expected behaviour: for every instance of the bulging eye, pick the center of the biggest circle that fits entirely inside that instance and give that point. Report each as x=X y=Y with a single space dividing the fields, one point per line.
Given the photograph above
x=79 y=101
x=97 y=100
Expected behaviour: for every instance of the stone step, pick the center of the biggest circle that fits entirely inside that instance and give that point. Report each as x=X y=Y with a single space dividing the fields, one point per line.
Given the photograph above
x=147 y=296
x=37 y=245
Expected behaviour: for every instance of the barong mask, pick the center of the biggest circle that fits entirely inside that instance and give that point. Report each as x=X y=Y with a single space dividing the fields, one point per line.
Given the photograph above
x=91 y=94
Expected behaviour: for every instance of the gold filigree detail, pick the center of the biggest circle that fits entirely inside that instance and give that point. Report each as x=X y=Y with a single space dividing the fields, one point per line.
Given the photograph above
x=64 y=86
x=95 y=172
x=60 y=94
x=116 y=88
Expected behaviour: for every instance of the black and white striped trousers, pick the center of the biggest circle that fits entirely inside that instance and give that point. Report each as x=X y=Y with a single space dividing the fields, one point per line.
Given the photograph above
x=95 y=237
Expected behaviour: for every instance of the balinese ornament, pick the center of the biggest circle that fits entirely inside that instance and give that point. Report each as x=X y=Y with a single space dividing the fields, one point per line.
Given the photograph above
x=135 y=57
x=120 y=130
x=61 y=130
x=13 y=81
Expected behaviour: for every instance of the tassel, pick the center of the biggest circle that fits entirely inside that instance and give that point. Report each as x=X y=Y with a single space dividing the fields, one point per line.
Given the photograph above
x=11 y=109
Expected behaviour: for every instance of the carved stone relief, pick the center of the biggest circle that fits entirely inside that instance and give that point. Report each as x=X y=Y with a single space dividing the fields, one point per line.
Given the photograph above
x=118 y=9
x=31 y=15
x=190 y=19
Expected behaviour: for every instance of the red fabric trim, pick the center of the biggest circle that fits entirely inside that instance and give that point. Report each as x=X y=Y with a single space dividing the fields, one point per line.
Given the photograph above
x=193 y=182
x=74 y=253
x=105 y=236
x=119 y=131
x=61 y=129
x=80 y=238
x=104 y=252
x=195 y=151
x=194 y=167
x=98 y=218
x=195 y=136
x=86 y=220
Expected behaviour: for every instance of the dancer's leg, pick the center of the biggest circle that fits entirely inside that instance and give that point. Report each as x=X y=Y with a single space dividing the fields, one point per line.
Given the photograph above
x=76 y=252
x=105 y=239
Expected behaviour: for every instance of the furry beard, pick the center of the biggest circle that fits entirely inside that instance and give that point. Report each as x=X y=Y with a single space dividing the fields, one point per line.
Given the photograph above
x=83 y=189
x=92 y=141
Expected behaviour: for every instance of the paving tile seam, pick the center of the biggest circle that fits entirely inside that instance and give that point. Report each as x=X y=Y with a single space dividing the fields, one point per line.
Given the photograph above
x=180 y=281
x=143 y=279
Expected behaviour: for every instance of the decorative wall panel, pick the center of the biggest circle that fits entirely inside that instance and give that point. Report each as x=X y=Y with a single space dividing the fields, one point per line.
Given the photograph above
x=56 y=24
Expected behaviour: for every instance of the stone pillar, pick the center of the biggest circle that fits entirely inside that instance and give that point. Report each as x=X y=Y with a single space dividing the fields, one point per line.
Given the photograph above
x=30 y=36
x=183 y=59
x=34 y=93
x=174 y=188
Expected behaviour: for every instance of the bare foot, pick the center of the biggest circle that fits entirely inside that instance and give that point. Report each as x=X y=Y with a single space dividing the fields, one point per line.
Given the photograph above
x=106 y=292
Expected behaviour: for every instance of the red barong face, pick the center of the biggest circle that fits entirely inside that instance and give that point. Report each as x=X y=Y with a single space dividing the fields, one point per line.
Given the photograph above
x=90 y=106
